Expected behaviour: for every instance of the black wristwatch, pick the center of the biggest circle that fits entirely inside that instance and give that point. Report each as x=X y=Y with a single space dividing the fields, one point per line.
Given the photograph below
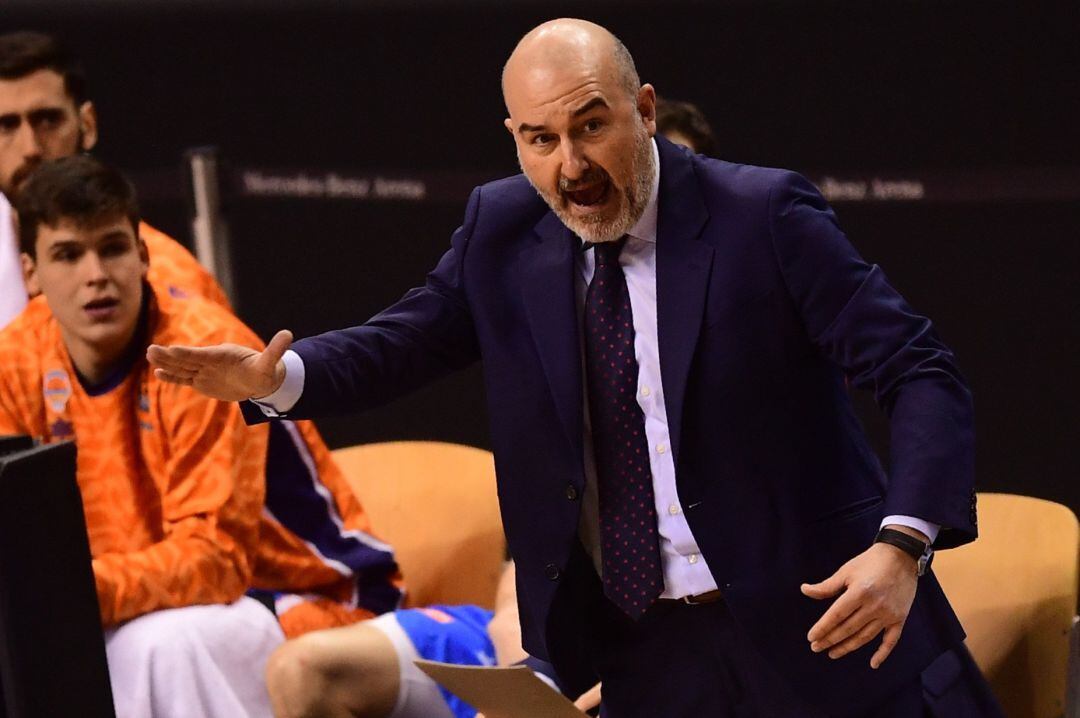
x=923 y=553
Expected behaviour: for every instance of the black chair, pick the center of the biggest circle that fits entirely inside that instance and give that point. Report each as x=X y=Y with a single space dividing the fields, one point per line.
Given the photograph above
x=52 y=650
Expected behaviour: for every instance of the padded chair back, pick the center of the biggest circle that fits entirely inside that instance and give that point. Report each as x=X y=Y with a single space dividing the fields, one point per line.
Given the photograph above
x=436 y=504
x=1015 y=591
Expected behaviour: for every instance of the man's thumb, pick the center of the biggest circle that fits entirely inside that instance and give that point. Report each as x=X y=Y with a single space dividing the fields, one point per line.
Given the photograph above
x=277 y=347
x=826 y=589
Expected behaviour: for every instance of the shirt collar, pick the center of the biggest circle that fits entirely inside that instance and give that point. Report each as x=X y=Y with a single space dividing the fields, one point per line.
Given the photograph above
x=645 y=228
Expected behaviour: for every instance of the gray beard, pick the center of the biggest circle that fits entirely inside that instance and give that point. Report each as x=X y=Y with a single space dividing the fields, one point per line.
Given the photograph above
x=635 y=199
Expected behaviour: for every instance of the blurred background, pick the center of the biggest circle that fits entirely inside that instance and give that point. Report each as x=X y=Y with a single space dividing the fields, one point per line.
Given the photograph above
x=349 y=135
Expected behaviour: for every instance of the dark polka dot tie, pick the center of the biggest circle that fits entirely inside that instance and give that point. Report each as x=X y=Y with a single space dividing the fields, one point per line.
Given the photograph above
x=631 y=555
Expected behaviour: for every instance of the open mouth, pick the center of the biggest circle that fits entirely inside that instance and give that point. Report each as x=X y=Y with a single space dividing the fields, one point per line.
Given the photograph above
x=101 y=308
x=590 y=196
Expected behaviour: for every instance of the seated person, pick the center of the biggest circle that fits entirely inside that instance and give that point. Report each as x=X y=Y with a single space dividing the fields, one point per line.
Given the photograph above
x=186 y=506
x=366 y=670
x=45 y=114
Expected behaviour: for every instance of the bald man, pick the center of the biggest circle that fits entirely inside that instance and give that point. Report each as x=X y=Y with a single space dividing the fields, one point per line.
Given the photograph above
x=697 y=518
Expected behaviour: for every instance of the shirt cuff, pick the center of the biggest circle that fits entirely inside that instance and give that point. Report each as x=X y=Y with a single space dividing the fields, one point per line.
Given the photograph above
x=286 y=396
x=931 y=530
x=546 y=679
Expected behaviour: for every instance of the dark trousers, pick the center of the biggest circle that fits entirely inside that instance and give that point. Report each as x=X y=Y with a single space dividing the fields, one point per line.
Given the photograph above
x=683 y=661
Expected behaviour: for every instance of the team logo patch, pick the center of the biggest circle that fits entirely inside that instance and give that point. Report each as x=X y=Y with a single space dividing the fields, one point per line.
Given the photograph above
x=57 y=389
x=61 y=429
x=436 y=615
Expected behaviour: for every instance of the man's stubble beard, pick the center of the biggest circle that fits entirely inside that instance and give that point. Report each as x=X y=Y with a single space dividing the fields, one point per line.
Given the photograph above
x=635 y=197
x=20 y=175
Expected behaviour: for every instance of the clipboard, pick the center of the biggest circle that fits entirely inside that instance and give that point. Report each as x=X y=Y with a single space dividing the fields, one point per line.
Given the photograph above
x=511 y=692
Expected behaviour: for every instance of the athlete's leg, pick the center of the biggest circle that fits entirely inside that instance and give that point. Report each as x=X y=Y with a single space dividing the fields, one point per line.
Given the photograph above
x=350 y=672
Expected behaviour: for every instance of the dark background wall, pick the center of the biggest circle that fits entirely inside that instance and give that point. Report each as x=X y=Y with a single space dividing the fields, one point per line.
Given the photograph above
x=971 y=91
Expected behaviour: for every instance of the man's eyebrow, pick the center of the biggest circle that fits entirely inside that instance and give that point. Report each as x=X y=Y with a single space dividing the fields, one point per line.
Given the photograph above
x=584 y=109
x=64 y=244
x=42 y=112
x=589 y=106
x=117 y=234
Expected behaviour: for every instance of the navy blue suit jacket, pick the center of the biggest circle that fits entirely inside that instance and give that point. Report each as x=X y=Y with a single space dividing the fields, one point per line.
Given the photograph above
x=765 y=313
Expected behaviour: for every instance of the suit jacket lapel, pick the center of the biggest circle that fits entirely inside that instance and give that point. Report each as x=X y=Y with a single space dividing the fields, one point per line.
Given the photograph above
x=548 y=291
x=682 y=276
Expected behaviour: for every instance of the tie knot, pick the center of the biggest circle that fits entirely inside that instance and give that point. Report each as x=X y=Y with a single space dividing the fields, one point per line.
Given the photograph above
x=607 y=253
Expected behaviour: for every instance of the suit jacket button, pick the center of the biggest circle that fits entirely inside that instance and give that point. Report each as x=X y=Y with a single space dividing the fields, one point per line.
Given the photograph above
x=552 y=572
x=571 y=492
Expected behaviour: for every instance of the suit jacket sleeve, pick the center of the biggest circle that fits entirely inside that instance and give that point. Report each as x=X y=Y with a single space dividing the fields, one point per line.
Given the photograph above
x=856 y=318
x=425 y=335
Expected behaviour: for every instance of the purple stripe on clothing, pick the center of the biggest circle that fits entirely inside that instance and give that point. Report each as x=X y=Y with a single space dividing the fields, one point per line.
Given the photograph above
x=301 y=503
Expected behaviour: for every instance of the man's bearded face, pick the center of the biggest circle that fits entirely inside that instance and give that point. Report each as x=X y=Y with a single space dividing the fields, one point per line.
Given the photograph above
x=583 y=139
x=38 y=121
x=599 y=206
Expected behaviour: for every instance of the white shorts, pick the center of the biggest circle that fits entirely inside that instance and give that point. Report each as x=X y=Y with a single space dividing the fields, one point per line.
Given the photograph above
x=194 y=662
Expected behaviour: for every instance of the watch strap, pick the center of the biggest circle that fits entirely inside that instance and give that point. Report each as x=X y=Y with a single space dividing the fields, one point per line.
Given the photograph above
x=908 y=544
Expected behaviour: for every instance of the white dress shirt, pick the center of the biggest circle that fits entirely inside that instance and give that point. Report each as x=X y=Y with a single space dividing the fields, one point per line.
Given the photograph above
x=686 y=572
x=12 y=288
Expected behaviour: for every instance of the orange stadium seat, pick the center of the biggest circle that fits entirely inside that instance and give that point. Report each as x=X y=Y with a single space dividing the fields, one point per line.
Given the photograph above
x=1015 y=590
x=436 y=504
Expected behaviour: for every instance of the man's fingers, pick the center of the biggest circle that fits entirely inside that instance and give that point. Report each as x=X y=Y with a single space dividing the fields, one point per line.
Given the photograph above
x=888 y=643
x=857 y=640
x=589 y=699
x=175 y=356
x=845 y=629
x=178 y=369
x=842 y=607
x=177 y=372
x=173 y=378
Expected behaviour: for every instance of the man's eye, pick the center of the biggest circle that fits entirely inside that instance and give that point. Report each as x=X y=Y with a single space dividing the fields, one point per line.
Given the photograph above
x=593 y=125
x=9 y=123
x=114 y=249
x=46 y=119
x=541 y=140
x=66 y=255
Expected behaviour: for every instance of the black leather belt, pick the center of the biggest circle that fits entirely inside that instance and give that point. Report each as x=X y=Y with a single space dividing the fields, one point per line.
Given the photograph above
x=701 y=598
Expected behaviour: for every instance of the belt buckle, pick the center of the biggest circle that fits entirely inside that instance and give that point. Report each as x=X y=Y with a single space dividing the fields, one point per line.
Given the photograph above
x=702 y=598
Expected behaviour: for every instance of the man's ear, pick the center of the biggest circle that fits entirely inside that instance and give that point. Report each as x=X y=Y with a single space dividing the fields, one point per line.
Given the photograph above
x=29 y=270
x=646 y=107
x=509 y=126
x=144 y=254
x=88 y=128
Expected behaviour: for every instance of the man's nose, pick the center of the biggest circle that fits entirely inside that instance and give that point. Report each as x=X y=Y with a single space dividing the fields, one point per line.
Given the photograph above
x=93 y=269
x=574 y=163
x=27 y=142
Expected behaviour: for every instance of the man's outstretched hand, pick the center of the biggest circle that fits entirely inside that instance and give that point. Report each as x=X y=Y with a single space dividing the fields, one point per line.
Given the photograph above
x=229 y=372
x=875 y=589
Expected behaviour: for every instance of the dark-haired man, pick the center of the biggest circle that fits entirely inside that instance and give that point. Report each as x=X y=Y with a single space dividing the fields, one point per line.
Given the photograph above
x=186 y=506
x=696 y=517
x=45 y=113
x=684 y=124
